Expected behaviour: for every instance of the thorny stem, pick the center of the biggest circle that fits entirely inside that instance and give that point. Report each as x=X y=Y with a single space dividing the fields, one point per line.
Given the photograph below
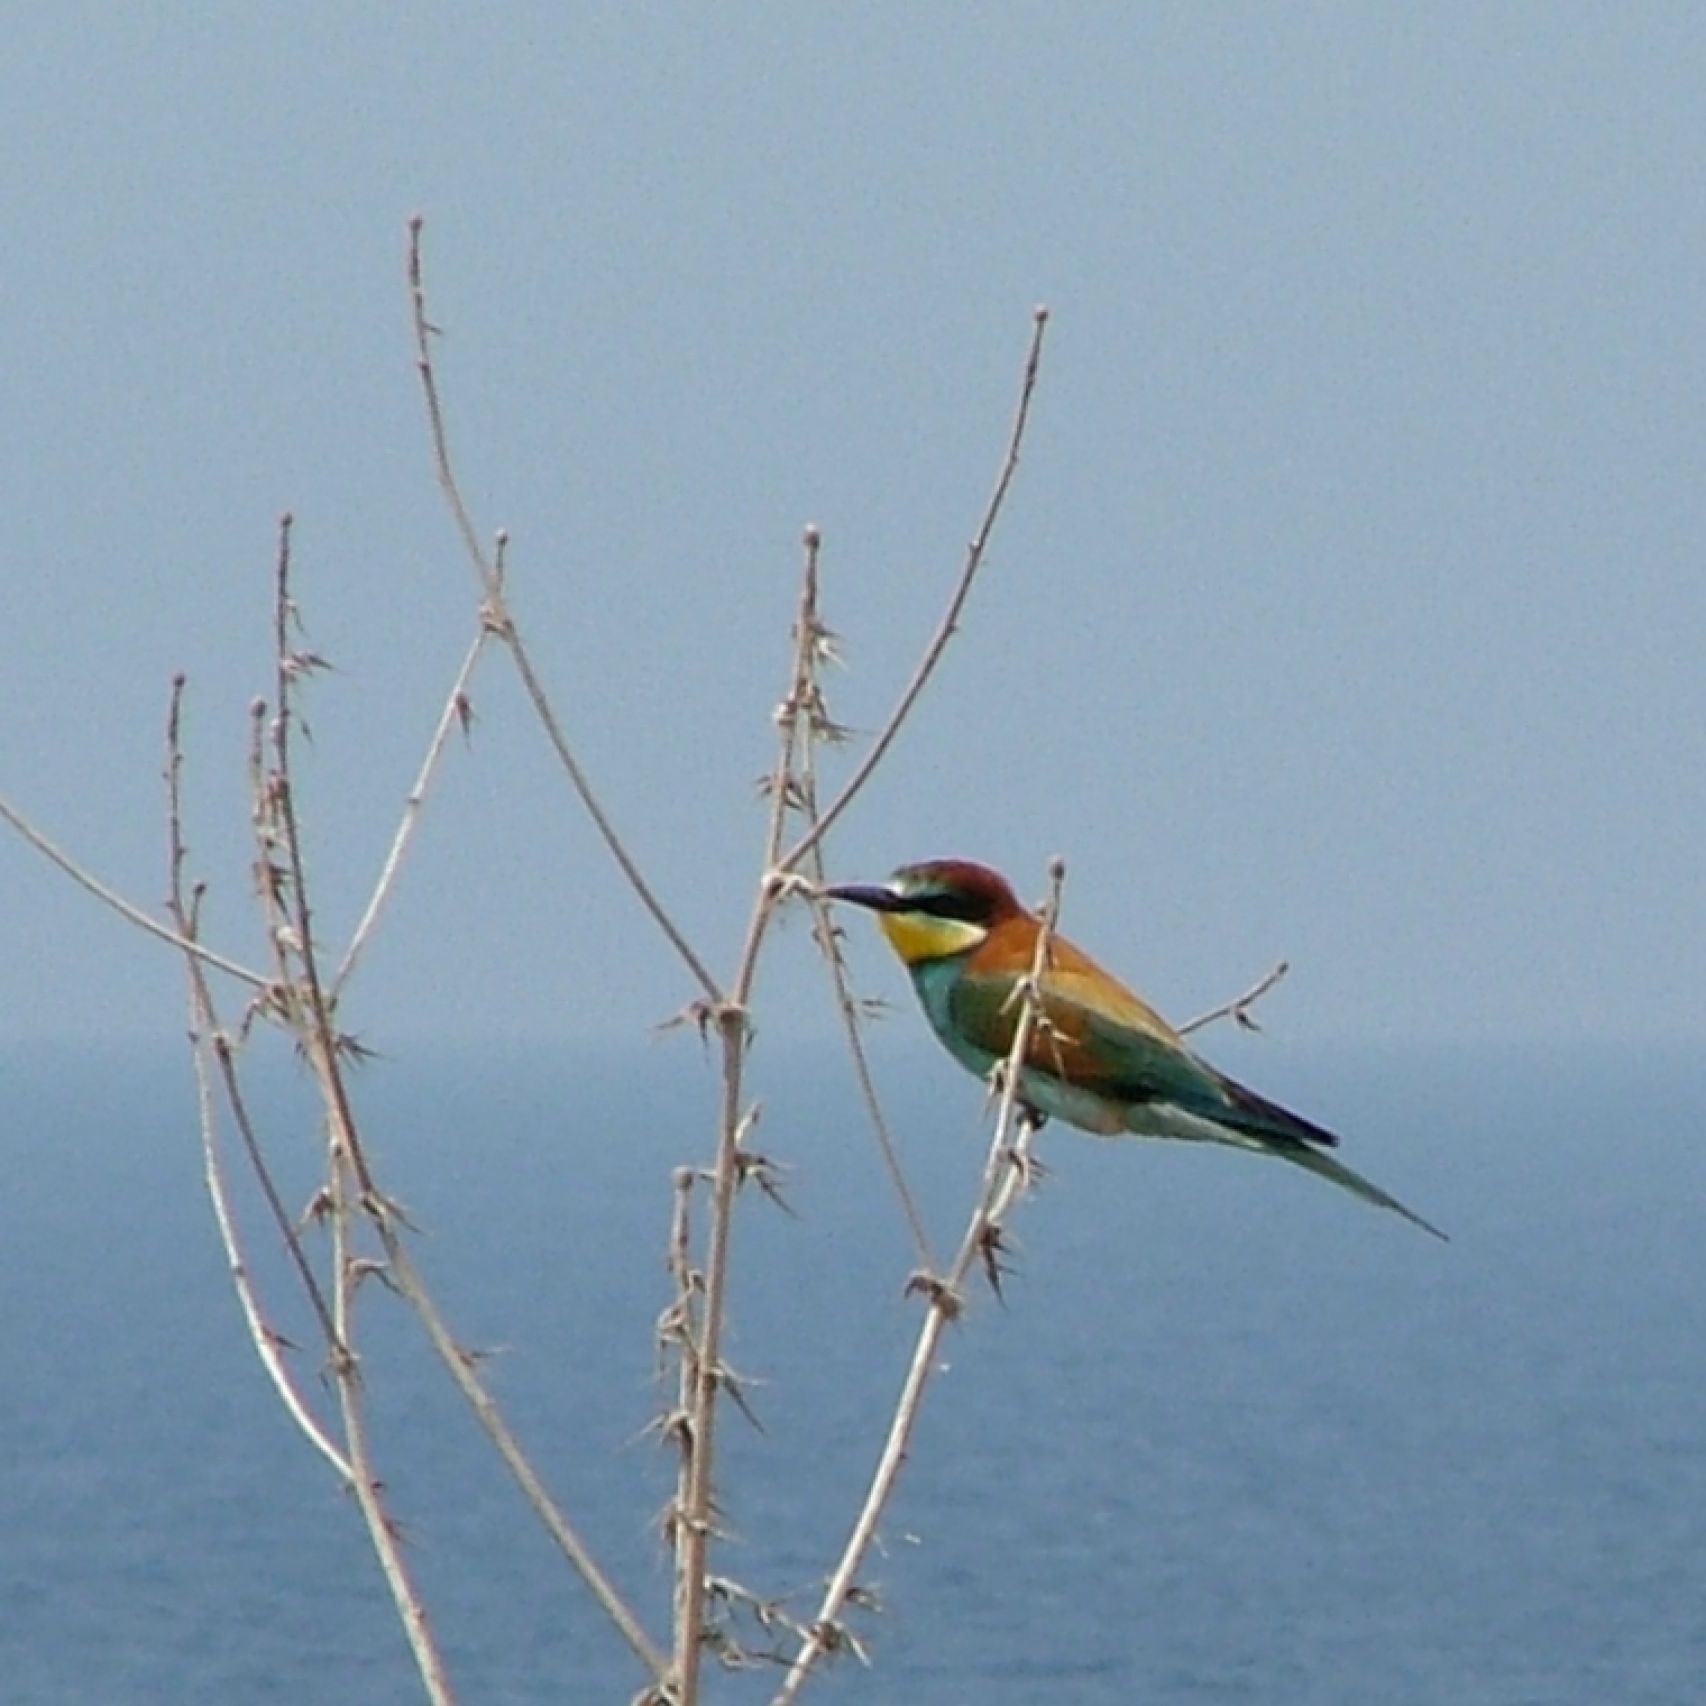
x=501 y=622
x=950 y=617
x=204 y=1020
x=680 y=1333
x=308 y=1015
x=318 y=1038
x=219 y=1041
x=1004 y=1177
x=311 y=1012
x=346 y=1377
x=801 y=778
x=734 y=1034
x=695 y=1519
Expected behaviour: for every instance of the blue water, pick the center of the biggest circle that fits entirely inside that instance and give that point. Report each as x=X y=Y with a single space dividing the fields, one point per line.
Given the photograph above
x=1233 y=1437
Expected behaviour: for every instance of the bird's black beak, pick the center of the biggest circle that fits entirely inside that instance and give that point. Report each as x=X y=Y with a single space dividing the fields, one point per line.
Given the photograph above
x=873 y=895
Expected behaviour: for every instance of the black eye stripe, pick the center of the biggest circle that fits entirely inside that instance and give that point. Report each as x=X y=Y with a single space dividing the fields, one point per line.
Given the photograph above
x=965 y=908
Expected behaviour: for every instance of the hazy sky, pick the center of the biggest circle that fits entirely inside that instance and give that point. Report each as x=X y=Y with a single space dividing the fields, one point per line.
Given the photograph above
x=1349 y=607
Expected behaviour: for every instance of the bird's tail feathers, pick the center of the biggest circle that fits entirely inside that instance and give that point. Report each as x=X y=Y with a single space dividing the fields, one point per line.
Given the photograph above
x=1261 y=1118
x=1328 y=1167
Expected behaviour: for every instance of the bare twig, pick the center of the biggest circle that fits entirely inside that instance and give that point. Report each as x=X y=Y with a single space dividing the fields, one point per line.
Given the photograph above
x=1006 y=1172
x=218 y=1041
x=1238 y=1009
x=454 y=715
x=829 y=940
x=110 y=897
x=950 y=617
x=267 y=1341
x=601 y=821
x=408 y=1282
x=498 y=618
x=442 y=465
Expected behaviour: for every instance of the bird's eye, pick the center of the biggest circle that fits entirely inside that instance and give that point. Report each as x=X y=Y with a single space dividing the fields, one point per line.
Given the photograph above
x=967 y=908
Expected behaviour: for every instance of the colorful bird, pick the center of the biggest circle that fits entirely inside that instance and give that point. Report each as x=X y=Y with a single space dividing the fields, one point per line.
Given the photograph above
x=1101 y=1059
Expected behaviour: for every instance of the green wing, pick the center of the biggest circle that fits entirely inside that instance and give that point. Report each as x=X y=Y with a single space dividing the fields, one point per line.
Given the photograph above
x=1118 y=1049
x=1102 y=1038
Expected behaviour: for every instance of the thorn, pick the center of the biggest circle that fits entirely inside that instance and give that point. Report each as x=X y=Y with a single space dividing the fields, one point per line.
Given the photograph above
x=377 y=1206
x=699 y=1013
x=941 y=1295
x=673 y=1427
x=991 y=1245
x=730 y=1383
x=764 y=1173
x=1020 y=1158
x=866 y=1598
x=367 y=1267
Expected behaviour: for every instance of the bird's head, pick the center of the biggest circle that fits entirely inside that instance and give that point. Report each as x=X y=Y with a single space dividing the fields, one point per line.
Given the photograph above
x=937 y=909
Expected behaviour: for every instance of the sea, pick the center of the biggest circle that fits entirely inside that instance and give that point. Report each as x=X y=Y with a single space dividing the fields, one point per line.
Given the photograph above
x=1227 y=1435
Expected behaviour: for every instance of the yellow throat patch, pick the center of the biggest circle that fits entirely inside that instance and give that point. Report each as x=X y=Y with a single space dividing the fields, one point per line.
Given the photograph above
x=917 y=936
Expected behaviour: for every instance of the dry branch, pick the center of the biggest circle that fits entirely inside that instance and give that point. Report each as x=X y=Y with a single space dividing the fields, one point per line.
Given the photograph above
x=1238 y=1008
x=455 y=714
x=499 y=620
x=938 y=643
x=84 y=878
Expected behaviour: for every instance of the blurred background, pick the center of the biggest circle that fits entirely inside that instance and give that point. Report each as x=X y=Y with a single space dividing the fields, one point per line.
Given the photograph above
x=1348 y=605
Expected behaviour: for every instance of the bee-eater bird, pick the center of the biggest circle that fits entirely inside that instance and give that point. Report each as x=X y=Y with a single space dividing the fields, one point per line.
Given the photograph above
x=1100 y=1058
